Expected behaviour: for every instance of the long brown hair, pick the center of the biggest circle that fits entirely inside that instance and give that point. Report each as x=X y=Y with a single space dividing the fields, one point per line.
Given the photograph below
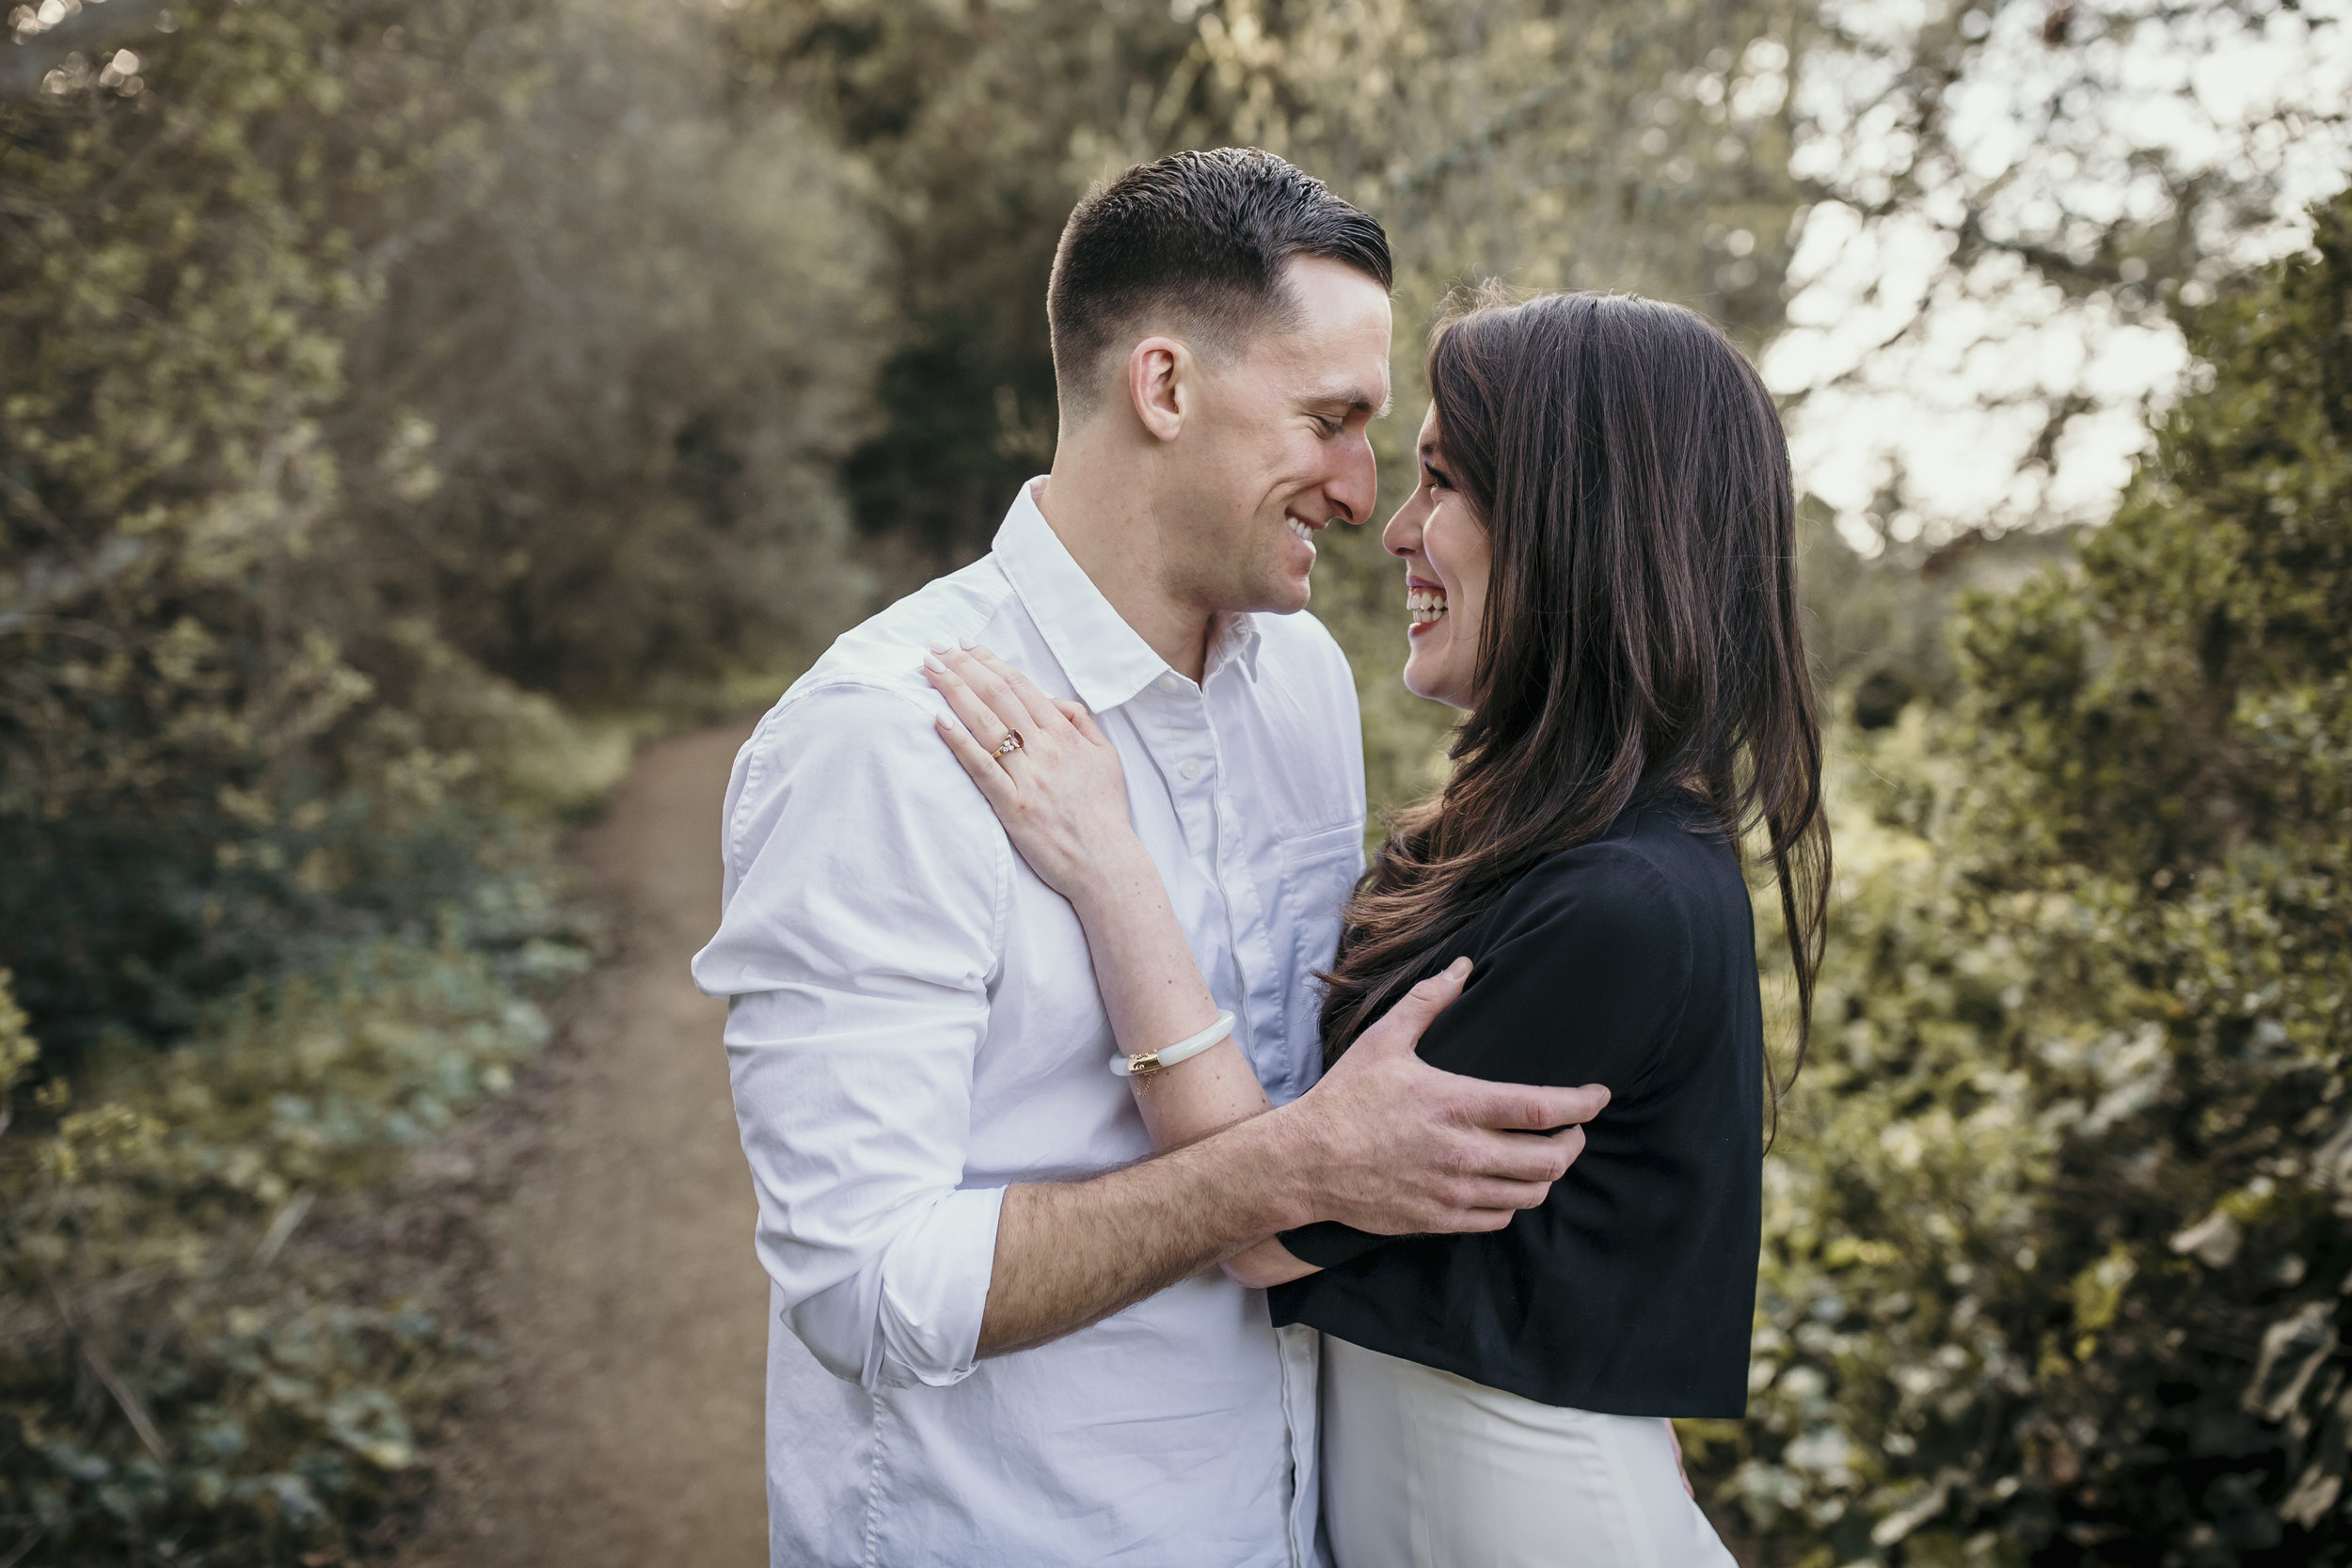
x=1640 y=628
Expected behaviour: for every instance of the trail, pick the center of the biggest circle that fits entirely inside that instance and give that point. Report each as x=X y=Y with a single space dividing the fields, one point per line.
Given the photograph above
x=622 y=1424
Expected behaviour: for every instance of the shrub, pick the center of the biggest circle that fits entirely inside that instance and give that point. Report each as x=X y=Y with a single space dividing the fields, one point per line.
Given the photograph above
x=2060 y=1233
x=182 y=1380
x=350 y=409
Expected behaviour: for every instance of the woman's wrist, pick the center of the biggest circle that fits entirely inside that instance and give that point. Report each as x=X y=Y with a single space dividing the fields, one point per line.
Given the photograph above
x=1115 y=881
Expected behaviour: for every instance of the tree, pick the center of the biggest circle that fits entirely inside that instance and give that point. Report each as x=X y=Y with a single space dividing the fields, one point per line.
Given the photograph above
x=626 y=337
x=2005 y=199
x=981 y=126
x=174 y=286
x=2059 y=1239
x=1501 y=141
x=371 y=373
x=1493 y=140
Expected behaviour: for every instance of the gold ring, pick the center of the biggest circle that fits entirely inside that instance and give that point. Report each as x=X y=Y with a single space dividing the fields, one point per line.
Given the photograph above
x=1006 y=747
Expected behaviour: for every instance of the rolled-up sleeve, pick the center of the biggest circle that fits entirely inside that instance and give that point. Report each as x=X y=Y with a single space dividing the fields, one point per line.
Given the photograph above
x=868 y=884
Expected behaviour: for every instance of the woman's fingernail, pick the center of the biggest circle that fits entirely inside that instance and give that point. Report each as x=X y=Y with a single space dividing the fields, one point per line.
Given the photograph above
x=1458 y=969
x=931 y=661
x=939 y=647
x=970 y=643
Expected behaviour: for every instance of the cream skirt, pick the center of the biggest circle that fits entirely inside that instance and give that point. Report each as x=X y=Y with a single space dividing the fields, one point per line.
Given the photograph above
x=1423 y=1469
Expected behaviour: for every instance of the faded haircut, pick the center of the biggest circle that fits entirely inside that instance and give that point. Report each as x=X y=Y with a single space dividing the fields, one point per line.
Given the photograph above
x=1197 y=242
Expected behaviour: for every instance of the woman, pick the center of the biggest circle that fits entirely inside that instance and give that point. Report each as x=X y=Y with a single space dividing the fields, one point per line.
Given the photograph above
x=1599 y=574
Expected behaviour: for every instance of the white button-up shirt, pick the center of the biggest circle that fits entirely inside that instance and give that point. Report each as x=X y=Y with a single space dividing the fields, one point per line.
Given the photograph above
x=915 y=1025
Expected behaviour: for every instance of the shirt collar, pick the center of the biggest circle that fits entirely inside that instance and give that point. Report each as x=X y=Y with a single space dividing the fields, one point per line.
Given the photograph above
x=1233 y=636
x=1107 y=659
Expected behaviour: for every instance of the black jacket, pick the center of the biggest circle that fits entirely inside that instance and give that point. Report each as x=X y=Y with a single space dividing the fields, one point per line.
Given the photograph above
x=1628 y=961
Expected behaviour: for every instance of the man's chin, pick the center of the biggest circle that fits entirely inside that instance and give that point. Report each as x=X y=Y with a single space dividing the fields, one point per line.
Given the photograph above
x=1291 y=599
x=1275 y=594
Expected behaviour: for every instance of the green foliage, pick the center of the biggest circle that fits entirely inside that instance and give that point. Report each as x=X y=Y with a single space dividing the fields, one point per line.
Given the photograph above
x=168 y=345
x=185 y=1376
x=1493 y=142
x=1492 y=139
x=1877 y=628
x=353 y=405
x=377 y=375
x=355 y=409
x=2059 y=1237
x=980 y=124
x=630 y=330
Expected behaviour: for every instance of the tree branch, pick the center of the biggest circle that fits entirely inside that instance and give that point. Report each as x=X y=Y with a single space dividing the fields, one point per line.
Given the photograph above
x=96 y=29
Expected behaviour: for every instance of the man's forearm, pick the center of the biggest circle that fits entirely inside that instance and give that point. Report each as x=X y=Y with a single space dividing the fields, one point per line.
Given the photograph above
x=1385 y=1143
x=1069 y=1254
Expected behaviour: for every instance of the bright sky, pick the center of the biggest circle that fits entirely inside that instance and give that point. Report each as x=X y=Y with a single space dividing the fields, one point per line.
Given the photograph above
x=1910 y=368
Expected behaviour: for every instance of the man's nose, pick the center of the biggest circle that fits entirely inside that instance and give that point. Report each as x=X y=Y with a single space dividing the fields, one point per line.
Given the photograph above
x=1353 y=490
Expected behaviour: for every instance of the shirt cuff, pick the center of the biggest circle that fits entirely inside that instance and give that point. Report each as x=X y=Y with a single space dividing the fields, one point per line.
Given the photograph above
x=1328 y=1243
x=934 y=1290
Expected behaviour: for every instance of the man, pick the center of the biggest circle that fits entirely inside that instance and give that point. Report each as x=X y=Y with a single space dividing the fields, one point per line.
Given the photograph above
x=1000 y=1339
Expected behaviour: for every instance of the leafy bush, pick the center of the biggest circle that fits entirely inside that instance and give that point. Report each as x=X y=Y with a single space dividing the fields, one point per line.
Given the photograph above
x=350 y=409
x=1490 y=139
x=394 y=395
x=2060 y=1233
x=182 y=1380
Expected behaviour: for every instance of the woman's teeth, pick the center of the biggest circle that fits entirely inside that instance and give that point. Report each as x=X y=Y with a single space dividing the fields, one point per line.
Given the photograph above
x=1301 y=530
x=1425 y=604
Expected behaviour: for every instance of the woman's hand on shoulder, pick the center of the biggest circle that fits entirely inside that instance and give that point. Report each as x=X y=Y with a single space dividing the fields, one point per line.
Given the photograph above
x=1052 y=776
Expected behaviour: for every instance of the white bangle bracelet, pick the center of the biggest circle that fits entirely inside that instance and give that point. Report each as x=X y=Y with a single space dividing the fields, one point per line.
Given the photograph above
x=1185 y=1050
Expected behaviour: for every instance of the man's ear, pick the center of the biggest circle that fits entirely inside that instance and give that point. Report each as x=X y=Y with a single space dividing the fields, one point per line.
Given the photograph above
x=1160 y=375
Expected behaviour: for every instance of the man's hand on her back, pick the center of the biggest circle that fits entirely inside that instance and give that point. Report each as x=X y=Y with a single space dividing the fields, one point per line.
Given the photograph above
x=1396 y=1147
x=1385 y=1143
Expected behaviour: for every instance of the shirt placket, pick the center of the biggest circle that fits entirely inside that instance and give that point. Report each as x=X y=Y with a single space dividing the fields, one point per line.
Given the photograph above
x=1174 y=724
x=1263 y=982
x=1175 y=727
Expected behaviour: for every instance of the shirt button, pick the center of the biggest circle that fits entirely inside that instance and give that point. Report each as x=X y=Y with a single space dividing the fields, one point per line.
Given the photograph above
x=1189 y=767
x=1172 y=683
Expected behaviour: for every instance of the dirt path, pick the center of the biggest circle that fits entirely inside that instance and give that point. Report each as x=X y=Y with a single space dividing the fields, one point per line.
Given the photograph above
x=622 y=1426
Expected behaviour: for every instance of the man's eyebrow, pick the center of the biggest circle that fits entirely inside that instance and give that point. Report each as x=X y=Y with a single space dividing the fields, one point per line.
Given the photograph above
x=1354 y=399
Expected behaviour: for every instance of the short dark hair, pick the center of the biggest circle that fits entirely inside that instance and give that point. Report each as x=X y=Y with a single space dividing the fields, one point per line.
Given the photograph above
x=1203 y=236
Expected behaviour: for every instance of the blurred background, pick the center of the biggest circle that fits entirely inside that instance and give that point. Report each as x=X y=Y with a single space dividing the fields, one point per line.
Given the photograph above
x=423 y=421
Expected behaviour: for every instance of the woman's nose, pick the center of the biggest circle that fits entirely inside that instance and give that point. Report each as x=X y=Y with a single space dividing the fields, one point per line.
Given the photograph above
x=1402 y=537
